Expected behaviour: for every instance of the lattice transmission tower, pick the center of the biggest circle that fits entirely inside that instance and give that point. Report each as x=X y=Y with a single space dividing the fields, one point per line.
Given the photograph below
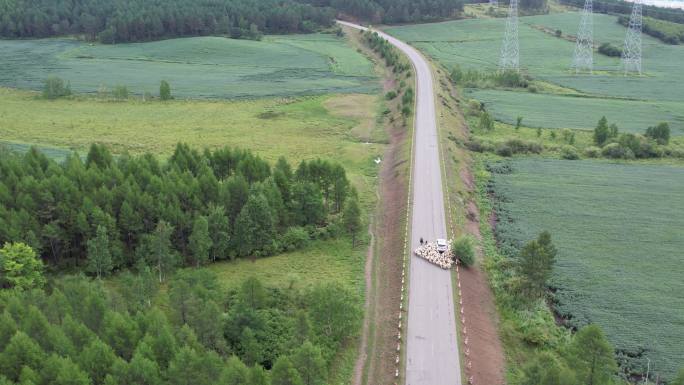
x=631 y=53
x=510 y=49
x=583 y=60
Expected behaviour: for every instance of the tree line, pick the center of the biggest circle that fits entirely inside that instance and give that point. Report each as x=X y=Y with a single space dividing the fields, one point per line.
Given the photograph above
x=103 y=213
x=120 y=21
x=613 y=144
x=667 y=31
x=81 y=332
x=623 y=7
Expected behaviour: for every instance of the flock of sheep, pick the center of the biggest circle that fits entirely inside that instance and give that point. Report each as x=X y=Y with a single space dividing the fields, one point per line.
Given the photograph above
x=429 y=251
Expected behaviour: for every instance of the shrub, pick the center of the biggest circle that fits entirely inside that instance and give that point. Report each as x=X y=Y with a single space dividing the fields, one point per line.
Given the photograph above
x=165 y=90
x=569 y=153
x=610 y=50
x=464 y=249
x=504 y=150
x=559 y=33
x=120 y=92
x=517 y=146
x=479 y=146
x=474 y=108
x=592 y=152
x=390 y=95
x=660 y=133
x=486 y=122
x=54 y=87
x=294 y=238
x=616 y=151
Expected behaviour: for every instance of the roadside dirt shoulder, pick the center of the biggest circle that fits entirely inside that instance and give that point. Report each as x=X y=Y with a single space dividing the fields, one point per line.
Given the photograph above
x=376 y=361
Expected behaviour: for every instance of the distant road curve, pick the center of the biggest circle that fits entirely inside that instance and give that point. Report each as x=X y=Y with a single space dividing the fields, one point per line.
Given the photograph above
x=431 y=343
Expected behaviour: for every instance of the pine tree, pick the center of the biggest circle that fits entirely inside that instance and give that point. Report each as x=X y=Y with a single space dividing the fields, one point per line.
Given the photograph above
x=601 y=132
x=200 y=242
x=351 y=217
x=284 y=373
x=536 y=262
x=255 y=228
x=165 y=90
x=235 y=372
x=251 y=349
x=679 y=380
x=257 y=376
x=99 y=254
x=96 y=360
x=121 y=333
x=253 y=294
x=219 y=231
x=309 y=361
x=156 y=249
x=20 y=351
x=592 y=356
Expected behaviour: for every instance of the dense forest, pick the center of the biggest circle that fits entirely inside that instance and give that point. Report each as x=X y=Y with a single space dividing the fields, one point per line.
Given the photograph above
x=116 y=21
x=82 y=332
x=103 y=213
x=120 y=21
x=394 y=11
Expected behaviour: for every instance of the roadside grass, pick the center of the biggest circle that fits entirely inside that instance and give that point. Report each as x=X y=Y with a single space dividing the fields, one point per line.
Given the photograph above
x=619 y=243
x=198 y=67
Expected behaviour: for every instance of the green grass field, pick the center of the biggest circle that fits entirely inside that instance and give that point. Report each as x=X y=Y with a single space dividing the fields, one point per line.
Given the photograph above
x=618 y=230
x=475 y=43
x=297 y=128
x=321 y=262
x=200 y=67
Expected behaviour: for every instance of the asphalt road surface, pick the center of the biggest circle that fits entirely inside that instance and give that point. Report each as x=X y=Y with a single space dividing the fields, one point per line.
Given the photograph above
x=431 y=345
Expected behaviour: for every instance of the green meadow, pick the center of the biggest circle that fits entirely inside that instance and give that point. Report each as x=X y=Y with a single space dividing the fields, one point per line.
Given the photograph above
x=199 y=67
x=618 y=230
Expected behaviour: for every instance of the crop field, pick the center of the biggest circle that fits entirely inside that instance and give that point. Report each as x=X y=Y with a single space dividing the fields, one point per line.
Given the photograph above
x=200 y=67
x=556 y=111
x=475 y=43
x=618 y=230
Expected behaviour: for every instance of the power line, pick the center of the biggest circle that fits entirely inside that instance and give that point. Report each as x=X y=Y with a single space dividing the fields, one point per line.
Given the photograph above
x=631 y=53
x=510 y=49
x=583 y=60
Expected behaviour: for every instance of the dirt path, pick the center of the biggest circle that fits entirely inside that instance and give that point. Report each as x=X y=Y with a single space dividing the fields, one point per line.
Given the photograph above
x=363 y=348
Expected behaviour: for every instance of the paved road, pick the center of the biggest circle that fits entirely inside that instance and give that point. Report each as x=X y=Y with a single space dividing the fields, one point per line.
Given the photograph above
x=432 y=347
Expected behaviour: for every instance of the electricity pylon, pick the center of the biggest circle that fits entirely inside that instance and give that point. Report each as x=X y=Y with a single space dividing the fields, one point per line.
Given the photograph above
x=631 y=53
x=510 y=49
x=583 y=60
